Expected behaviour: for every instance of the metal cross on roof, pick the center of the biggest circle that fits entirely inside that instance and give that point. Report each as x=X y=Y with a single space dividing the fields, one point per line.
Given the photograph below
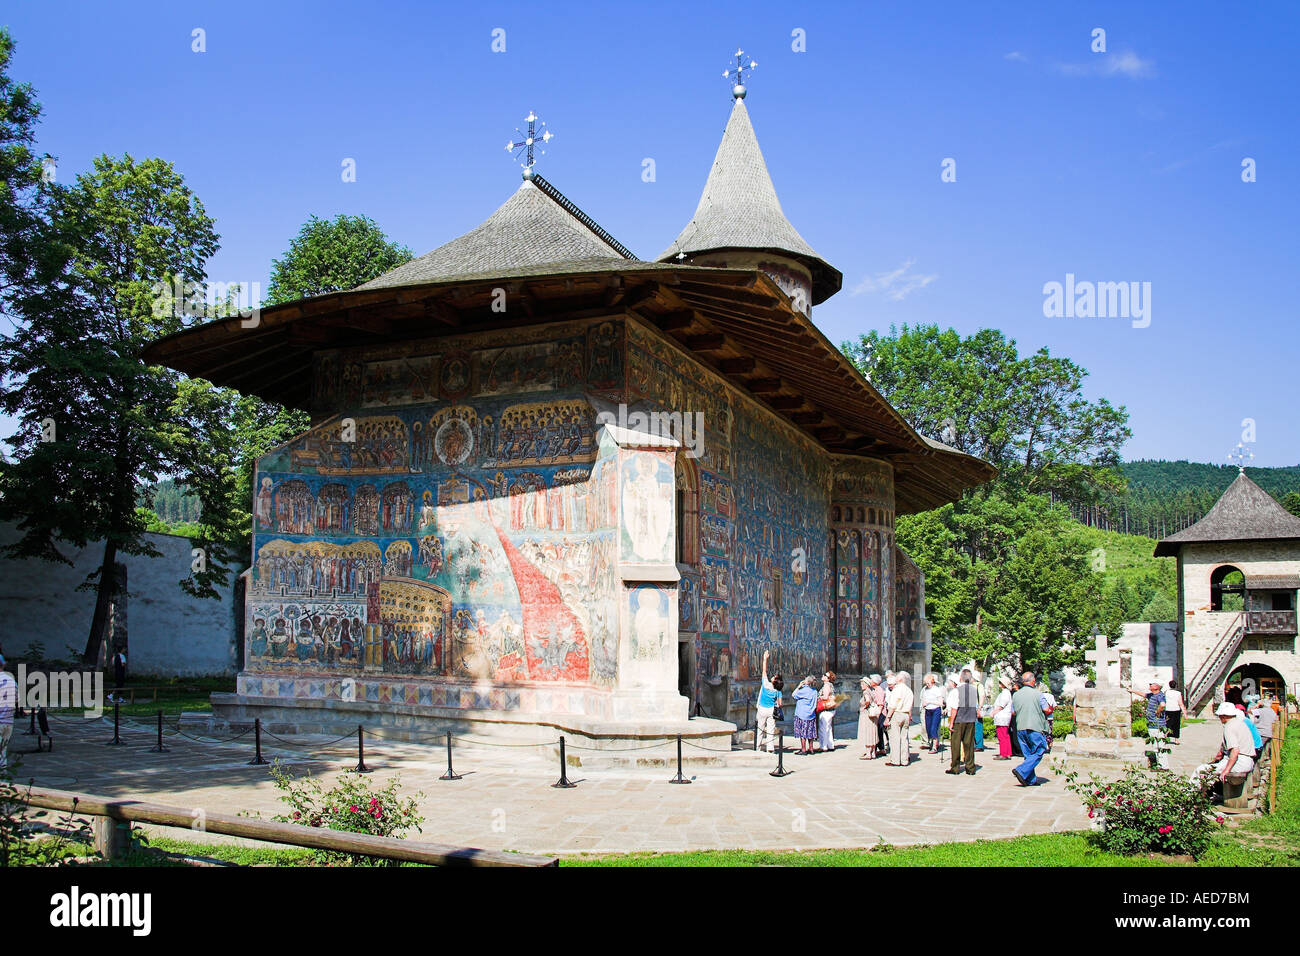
x=738 y=74
x=1239 y=456
x=529 y=142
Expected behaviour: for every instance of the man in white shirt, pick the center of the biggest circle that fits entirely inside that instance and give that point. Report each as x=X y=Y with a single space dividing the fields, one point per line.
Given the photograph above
x=1237 y=752
x=899 y=706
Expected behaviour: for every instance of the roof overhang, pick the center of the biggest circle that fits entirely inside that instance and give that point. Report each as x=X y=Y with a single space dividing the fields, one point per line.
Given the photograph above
x=737 y=322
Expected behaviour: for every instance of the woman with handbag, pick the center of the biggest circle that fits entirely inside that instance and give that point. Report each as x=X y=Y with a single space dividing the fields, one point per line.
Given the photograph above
x=868 y=730
x=826 y=713
x=805 y=715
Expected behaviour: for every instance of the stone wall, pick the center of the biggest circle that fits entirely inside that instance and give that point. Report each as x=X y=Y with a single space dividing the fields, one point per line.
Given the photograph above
x=169 y=633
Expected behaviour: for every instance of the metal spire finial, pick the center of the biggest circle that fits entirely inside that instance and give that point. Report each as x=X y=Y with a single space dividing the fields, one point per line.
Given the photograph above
x=738 y=74
x=523 y=150
x=1239 y=456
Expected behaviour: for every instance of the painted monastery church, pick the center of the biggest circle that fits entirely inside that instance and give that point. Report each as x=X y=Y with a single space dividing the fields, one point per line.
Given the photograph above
x=551 y=485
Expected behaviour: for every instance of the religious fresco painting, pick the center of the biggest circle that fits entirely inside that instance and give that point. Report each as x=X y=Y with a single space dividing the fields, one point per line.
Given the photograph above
x=862 y=516
x=763 y=491
x=473 y=539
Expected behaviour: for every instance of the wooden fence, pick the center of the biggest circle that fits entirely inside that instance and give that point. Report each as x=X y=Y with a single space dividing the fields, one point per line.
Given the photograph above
x=113 y=819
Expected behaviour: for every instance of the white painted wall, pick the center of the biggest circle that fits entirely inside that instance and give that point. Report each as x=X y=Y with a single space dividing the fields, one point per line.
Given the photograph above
x=170 y=633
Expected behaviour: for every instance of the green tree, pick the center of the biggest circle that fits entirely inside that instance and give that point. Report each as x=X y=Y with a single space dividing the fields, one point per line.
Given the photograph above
x=22 y=193
x=1027 y=415
x=117 y=233
x=332 y=256
x=1291 y=502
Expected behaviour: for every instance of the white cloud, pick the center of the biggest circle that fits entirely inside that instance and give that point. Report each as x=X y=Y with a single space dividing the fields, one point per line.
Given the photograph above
x=896 y=284
x=1125 y=63
x=1017 y=56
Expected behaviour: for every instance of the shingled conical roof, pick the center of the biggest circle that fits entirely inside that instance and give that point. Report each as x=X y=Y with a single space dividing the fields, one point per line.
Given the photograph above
x=528 y=230
x=739 y=209
x=1245 y=512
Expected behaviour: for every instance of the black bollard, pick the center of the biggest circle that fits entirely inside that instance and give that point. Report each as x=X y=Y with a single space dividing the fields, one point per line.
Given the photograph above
x=361 y=753
x=679 y=778
x=31 y=725
x=563 y=783
x=160 y=749
x=117 y=740
x=450 y=774
x=257 y=741
x=780 y=770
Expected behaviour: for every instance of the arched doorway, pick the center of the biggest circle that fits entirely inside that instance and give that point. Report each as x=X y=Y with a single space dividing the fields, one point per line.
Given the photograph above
x=1227 y=589
x=1257 y=679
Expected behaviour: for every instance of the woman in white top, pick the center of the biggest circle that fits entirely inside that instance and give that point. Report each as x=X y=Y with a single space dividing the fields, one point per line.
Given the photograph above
x=1002 y=719
x=1173 y=711
x=932 y=705
x=826 y=716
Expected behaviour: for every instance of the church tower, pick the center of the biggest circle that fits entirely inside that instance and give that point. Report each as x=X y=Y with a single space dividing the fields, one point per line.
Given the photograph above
x=739 y=224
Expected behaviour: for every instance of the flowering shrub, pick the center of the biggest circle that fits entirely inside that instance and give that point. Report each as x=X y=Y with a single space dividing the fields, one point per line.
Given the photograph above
x=352 y=806
x=1148 y=810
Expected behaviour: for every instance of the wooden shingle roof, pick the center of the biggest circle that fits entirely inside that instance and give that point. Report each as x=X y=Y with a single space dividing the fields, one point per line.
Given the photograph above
x=1245 y=512
x=739 y=209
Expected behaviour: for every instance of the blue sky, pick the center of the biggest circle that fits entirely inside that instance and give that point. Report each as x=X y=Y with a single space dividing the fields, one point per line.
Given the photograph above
x=1123 y=166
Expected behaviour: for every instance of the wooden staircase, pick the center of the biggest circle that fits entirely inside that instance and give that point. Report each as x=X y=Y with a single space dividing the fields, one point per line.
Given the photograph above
x=1202 y=684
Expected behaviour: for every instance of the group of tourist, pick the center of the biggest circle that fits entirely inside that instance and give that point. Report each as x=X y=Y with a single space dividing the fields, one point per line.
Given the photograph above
x=885 y=717
x=882 y=727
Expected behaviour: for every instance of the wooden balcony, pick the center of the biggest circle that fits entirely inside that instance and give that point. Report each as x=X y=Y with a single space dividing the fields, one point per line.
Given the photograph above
x=1276 y=623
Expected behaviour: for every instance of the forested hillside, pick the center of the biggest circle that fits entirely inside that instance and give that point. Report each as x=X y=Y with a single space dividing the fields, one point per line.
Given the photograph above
x=1163 y=497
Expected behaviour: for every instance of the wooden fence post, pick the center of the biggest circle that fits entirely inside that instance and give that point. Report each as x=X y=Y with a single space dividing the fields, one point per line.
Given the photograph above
x=112 y=837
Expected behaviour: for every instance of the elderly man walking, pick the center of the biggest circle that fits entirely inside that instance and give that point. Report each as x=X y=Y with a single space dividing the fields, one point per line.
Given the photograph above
x=961 y=732
x=1031 y=729
x=900 y=703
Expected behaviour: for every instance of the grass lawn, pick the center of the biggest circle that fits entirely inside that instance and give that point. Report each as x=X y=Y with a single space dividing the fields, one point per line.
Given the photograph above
x=174 y=695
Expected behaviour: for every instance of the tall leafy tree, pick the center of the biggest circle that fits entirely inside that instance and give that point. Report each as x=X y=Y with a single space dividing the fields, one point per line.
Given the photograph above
x=1006 y=580
x=332 y=256
x=95 y=419
x=22 y=195
x=1027 y=415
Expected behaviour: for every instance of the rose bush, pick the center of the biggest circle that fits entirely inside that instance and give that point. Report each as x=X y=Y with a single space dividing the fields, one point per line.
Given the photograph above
x=1148 y=811
x=353 y=806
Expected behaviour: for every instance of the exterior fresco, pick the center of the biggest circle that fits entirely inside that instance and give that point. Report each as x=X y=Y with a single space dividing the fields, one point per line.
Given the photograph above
x=763 y=491
x=471 y=539
x=459 y=531
x=862 y=519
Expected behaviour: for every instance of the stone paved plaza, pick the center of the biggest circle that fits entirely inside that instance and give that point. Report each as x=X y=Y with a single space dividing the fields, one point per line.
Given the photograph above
x=505 y=800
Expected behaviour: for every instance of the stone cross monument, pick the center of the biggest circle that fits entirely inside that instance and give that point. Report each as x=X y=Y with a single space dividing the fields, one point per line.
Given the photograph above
x=1103 y=723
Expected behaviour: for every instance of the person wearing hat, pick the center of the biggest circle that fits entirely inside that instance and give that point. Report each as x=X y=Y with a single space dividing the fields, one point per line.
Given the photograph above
x=1155 y=699
x=879 y=694
x=1237 y=751
x=868 y=729
x=1002 y=718
x=8 y=702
